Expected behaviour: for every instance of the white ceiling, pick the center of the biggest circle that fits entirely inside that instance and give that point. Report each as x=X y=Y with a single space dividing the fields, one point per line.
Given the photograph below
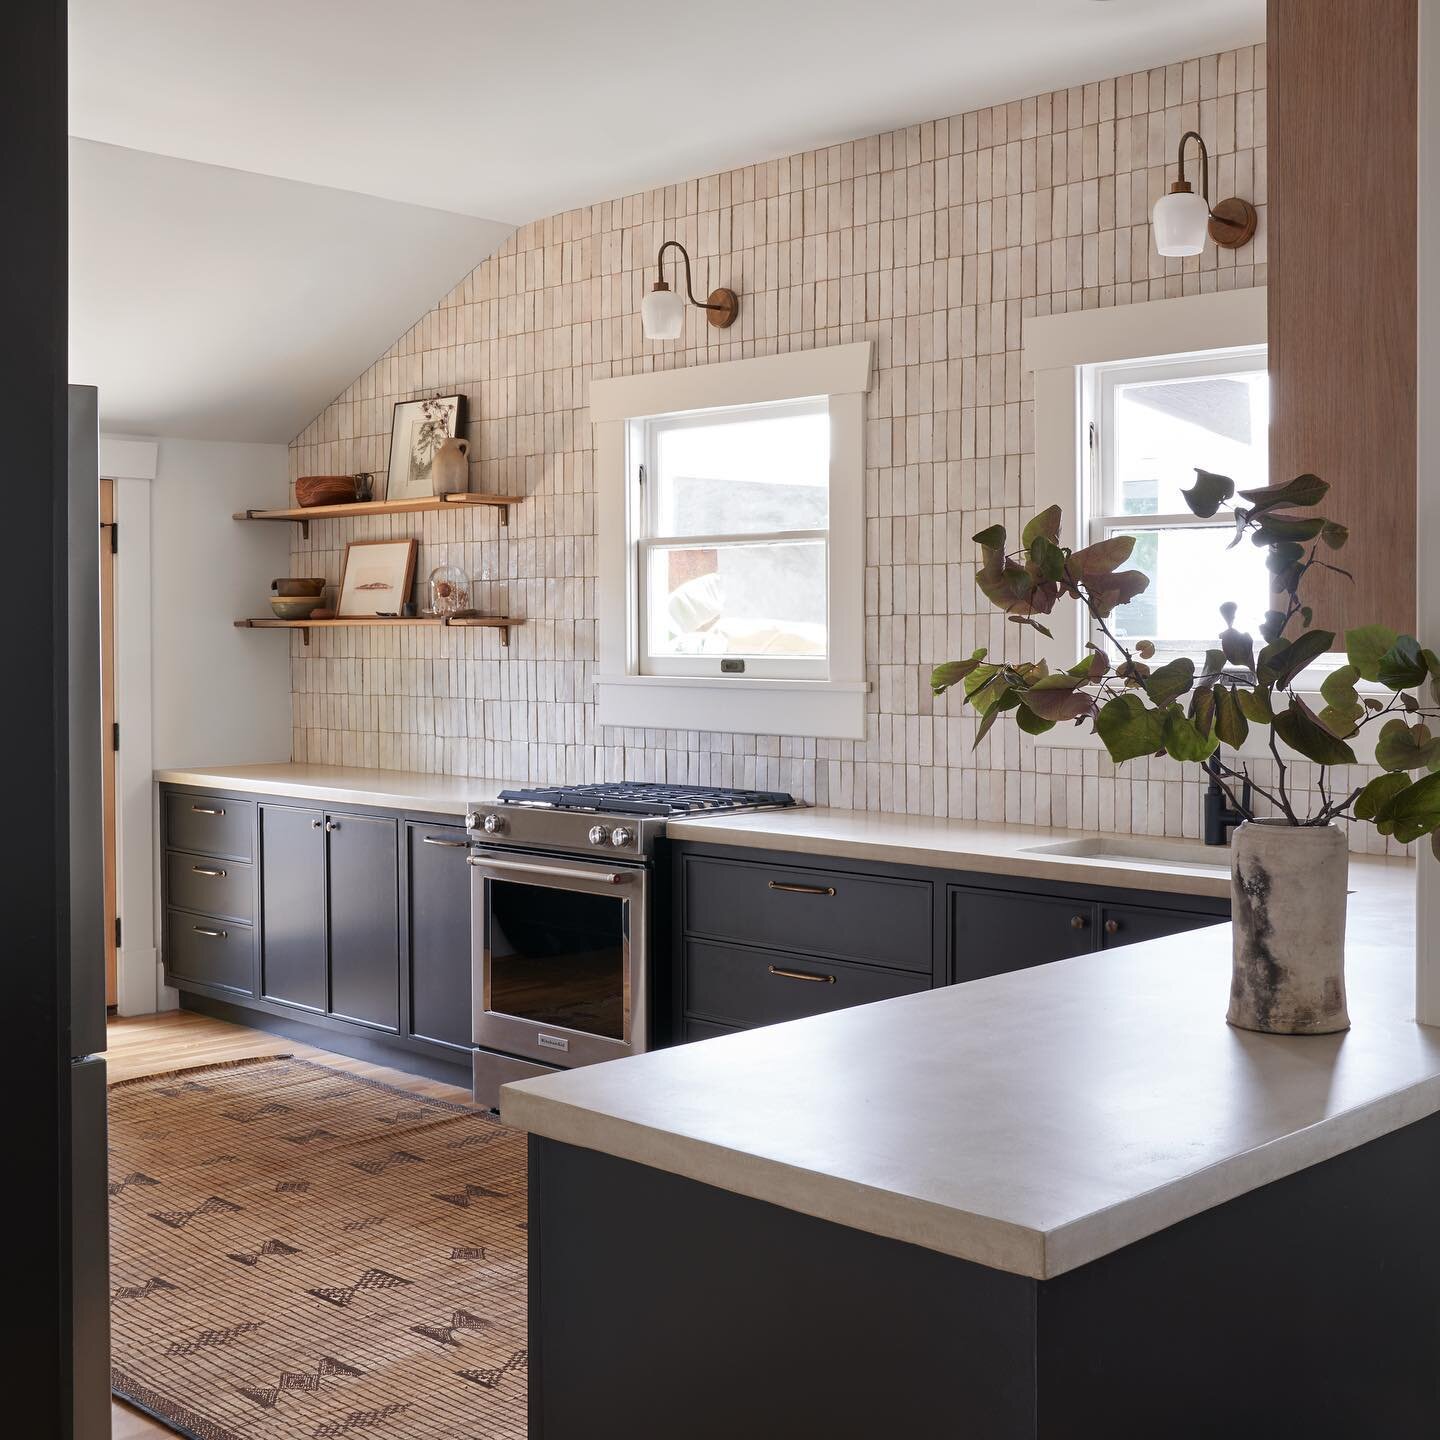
x=218 y=305
x=516 y=110
x=330 y=161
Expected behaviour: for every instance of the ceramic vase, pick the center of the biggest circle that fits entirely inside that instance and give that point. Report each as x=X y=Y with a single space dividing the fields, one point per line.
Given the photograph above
x=1288 y=912
x=450 y=470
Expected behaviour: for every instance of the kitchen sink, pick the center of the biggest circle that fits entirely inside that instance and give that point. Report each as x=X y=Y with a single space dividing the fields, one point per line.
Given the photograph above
x=1137 y=850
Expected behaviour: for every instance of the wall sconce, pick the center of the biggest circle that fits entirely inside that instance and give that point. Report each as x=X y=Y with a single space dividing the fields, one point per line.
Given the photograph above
x=1182 y=217
x=662 y=311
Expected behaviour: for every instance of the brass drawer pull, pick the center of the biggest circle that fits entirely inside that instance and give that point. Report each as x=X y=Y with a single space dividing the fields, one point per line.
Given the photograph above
x=213 y=934
x=206 y=810
x=206 y=870
x=1112 y=927
x=802 y=890
x=448 y=844
x=1078 y=922
x=801 y=975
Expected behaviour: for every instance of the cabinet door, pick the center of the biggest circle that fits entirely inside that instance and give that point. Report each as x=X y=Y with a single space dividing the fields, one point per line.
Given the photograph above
x=364 y=920
x=439 y=934
x=292 y=906
x=993 y=931
x=1130 y=924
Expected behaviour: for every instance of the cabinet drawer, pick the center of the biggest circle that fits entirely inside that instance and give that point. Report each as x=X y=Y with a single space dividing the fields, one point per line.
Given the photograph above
x=762 y=987
x=210 y=886
x=827 y=912
x=996 y=931
x=708 y=1030
x=1130 y=924
x=211 y=825
x=210 y=952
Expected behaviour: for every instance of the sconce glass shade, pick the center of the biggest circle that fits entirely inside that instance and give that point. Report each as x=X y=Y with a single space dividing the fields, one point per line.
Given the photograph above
x=1180 y=220
x=662 y=315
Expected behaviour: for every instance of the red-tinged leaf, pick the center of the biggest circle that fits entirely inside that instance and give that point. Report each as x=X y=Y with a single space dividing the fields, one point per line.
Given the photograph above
x=1102 y=557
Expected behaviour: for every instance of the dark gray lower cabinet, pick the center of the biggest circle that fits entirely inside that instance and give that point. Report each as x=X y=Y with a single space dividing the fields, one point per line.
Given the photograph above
x=292 y=906
x=995 y=931
x=1130 y=924
x=439 y=933
x=364 y=919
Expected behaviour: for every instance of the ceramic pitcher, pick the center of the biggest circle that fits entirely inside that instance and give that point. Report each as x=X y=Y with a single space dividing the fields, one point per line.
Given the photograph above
x=450 y=470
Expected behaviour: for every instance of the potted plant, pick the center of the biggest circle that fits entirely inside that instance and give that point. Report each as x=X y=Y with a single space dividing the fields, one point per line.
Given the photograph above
x=1289 y=863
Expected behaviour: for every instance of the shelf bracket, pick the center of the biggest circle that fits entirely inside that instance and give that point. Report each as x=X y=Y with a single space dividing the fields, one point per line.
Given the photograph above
x=504 y=515
x=305 y=535
x=504 y=633
x=305 y=635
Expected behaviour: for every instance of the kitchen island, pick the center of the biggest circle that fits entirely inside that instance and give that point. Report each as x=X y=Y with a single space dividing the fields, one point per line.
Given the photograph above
x=1064 y=1201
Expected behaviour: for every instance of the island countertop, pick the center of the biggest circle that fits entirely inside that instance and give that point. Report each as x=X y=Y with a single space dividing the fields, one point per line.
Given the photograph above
x=1033 y=1121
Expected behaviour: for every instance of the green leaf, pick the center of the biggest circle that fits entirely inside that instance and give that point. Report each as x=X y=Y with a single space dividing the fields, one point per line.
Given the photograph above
x=1183 y=741
x=1432 y=666
x=1270 y=659
x=1238 y=648
x=1335 y=535
x=992 y=714
x=1230 y=723
x=1170 y=681
x=1129 y=728
x=1303 y=649
x=992 y=538
x=1202 y=710
x=1300 y=728
x=1055 y=698
x=1047 y=560
x=1401 y=666
x=1030 y=722
x=1255 y=705
x=1102 y=557
x=1213 y=668
x=1032 y=623
x=1046 y=523
x=1338 y=688
x=1283 y=554
x=1373 y=802
x=1208 y=493
x=1400 y=747
x=1302 y=490
x=1270 y=528
x=1272 y=627
x=952 y=672
x=1108 y=591
x=1093 y=667
x=1366 y=646
x=1415 y=811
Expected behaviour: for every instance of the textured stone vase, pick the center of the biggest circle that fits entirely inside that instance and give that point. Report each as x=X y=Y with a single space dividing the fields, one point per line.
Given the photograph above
x=450 y=469
x=1288 y=898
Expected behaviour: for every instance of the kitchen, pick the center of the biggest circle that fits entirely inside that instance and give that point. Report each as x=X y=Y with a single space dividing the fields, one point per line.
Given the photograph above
x=619 y=769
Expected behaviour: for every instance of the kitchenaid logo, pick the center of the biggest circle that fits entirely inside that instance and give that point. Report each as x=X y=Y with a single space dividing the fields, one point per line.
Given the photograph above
x=554 y=1042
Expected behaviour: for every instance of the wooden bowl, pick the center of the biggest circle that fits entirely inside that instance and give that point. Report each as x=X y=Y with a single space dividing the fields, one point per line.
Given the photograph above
x=325 y=490
x=293 y=607
x=294 y=587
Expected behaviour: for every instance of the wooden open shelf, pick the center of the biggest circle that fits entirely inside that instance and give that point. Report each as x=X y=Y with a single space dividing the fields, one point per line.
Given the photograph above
x=501 y=623
x=304 y=514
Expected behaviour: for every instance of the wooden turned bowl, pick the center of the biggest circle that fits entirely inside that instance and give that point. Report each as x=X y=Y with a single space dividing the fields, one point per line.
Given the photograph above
x=325 y=490
x=294 y=587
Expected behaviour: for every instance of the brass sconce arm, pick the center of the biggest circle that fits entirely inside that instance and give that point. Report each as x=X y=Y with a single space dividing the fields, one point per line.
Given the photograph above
x=723 y=305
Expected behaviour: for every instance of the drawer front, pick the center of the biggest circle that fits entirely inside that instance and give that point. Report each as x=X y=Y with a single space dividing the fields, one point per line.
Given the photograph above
x=762 y=987
x=1130 y=924
x=210 y=825
x=826 y=912
x=995 y=931
x=210 y=886
x=210 y=952
x=709 y=1030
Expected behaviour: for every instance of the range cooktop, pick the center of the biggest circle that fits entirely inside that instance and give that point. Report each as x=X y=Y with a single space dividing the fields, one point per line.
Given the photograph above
x=638 y=798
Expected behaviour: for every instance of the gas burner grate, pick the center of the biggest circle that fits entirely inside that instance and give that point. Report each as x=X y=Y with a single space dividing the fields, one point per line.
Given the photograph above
x=626 y=798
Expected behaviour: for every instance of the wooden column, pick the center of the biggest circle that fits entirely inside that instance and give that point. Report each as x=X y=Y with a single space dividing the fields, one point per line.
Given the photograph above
x=1342 y=211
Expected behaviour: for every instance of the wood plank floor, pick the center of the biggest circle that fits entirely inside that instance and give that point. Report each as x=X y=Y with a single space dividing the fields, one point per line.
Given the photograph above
x=177 y=1040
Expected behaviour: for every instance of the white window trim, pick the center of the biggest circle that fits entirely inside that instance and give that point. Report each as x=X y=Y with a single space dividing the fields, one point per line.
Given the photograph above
x=1058 y=348
x=833 y=708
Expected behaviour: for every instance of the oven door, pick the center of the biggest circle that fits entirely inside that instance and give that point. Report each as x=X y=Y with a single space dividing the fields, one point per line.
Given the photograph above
x=558 y=951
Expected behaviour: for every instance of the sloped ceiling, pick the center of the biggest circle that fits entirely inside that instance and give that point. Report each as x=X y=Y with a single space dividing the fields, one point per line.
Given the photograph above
x=215 y=304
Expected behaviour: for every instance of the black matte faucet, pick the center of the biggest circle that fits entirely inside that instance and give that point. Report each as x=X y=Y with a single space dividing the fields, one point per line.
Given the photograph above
x=1220 y=819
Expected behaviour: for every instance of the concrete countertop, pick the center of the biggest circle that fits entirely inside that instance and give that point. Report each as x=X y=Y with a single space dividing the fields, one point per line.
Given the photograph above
x=1034 y=1121
x=345 y=785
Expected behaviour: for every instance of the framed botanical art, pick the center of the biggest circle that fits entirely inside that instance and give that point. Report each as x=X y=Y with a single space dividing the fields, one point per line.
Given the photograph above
x=419 y=429
x=376 y=578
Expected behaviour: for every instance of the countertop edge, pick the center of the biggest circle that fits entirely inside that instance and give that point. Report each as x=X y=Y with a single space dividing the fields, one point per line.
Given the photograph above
x=311 y=790
x=910 y=1219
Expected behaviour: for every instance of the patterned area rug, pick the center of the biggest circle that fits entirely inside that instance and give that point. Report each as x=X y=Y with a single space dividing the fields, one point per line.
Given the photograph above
x=298 y=1251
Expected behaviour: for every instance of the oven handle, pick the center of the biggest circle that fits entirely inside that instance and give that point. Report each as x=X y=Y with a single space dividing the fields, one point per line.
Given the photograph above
x=558 y=872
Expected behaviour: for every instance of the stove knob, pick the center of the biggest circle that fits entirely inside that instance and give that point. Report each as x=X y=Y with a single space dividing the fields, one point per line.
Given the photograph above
x=621 y=836
x=493 y=824
x=598 y=834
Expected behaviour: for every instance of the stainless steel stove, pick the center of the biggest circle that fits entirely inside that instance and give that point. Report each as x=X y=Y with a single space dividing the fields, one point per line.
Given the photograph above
x=565 y=900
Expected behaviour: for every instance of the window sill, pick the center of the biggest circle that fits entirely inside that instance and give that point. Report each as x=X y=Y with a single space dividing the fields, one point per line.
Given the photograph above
x=824 y=709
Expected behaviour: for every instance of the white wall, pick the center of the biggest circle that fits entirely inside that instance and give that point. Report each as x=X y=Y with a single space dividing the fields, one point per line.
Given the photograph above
x=221 y=695
x=1427 y=958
